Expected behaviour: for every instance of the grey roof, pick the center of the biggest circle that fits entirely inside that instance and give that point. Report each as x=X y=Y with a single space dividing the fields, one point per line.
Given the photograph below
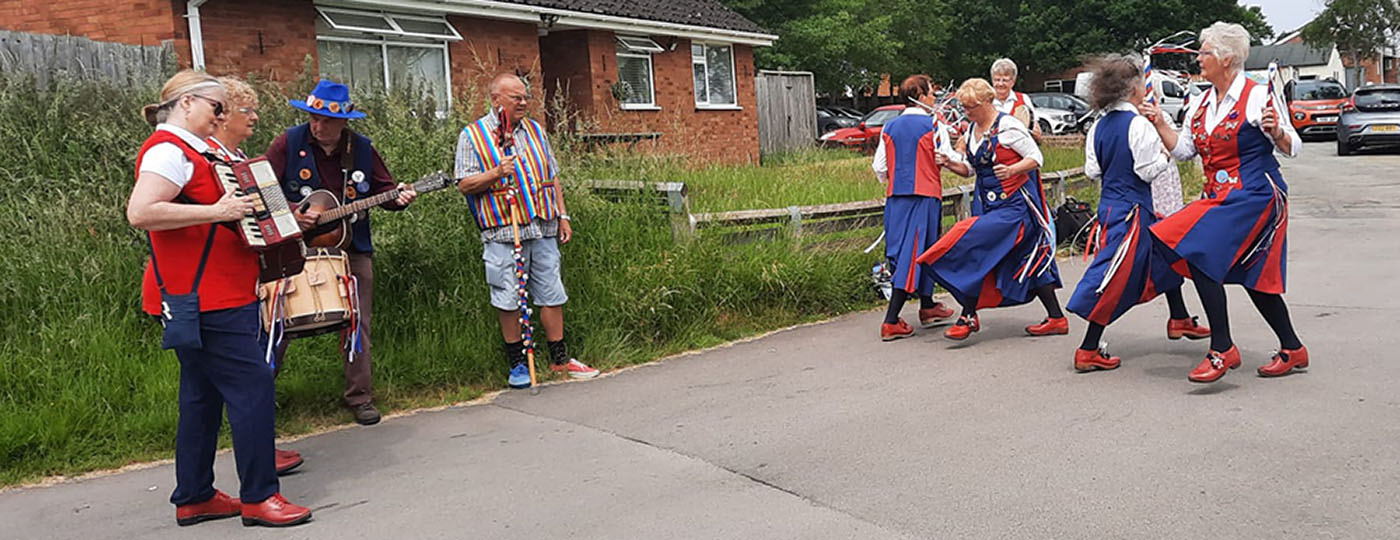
x=706 y=13
x=1286 y=54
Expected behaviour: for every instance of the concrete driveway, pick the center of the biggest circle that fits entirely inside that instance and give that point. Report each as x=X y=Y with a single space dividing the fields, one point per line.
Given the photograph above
x=824 y=432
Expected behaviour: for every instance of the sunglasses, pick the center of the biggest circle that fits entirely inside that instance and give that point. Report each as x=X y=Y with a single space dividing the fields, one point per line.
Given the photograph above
x=218 y=105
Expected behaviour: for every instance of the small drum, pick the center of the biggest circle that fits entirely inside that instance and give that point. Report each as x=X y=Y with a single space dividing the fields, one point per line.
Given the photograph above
x=319 y=300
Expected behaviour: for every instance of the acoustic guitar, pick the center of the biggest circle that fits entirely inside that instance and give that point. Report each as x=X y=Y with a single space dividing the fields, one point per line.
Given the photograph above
x=332 y=226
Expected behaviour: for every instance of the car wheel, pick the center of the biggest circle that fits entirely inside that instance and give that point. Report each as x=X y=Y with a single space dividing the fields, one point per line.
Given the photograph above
x=1045 y=127
x=1343 y=149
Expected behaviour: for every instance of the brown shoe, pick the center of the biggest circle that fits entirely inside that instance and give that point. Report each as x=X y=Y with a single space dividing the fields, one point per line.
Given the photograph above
x=219 y=506
x=275 y=512
x=365 y=413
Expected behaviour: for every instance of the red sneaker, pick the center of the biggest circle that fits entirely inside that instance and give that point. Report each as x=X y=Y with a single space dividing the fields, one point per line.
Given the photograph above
x=891 y=332
x=1186 y=328
x=1092 y=360
x=963 y=328
x=219 y=506
x=275 y=512
x=1284 y=362
x=286 y=460
x=1049 y=327
x=575 y=369
x=1215 y=365
x=937 y=314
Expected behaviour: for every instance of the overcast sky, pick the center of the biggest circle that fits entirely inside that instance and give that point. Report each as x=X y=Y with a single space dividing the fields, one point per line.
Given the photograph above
x=1287 y=15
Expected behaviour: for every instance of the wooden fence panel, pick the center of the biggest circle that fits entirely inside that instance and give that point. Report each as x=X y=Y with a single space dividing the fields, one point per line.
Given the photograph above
x=46 y=56
x=787 y=111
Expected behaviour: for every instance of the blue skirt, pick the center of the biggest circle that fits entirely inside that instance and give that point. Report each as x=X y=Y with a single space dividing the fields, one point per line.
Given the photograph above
x=1128 y=270
x=1236 y=237
x=997 y=259
x=911 y=227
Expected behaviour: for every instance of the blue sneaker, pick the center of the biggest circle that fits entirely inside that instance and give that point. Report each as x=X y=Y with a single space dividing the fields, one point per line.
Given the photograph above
x=519 y=376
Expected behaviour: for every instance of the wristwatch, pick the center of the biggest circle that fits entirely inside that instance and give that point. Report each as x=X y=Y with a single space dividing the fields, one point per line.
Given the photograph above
x=565 y=217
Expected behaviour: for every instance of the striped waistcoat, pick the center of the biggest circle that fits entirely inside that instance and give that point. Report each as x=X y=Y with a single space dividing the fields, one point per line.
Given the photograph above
x=532 y=170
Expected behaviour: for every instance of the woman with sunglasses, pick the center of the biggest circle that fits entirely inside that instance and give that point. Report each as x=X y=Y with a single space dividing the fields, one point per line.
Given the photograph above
x=1005 y=256
x=197 y=263
x=1237 y=233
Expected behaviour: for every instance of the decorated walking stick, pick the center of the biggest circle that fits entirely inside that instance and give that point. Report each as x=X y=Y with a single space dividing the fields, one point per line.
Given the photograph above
x=505 y=139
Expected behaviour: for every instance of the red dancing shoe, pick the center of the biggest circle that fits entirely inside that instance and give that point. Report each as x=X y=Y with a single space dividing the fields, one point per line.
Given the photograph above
x=1215 y=365
x=891 y=332
x=1284 y=362
x=286 y=460
x=219 y=506
x=1049 y=327
x=1094 y=360
x=963 y=328
x=275 y=512
x=937 y=314
x=1186 y=328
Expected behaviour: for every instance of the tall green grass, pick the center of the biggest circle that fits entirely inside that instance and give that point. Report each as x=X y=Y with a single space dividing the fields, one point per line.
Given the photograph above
x=84 y=385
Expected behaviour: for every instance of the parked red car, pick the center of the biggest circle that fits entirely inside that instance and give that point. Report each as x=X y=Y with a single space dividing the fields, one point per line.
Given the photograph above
x=1315 y=105
x=865 y=136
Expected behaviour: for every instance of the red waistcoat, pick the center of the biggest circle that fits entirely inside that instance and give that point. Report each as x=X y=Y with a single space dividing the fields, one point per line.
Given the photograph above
x=231 y=275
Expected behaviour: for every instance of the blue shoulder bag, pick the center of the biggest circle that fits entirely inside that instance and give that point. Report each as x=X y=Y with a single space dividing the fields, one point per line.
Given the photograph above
x=180 y=312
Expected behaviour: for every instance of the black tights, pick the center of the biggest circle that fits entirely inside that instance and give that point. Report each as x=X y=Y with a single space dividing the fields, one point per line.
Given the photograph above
x=1175 y=303
x=1046 y=294
x=897 y=298
x=1270 y=306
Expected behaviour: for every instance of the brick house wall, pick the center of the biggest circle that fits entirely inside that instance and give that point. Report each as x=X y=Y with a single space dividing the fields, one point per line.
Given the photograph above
x=273 y=38
x=587 y=60
x=148 y=22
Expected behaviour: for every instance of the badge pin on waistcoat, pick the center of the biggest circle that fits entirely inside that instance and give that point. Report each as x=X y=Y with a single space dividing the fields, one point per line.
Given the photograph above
x=991 y=197
x=305 y=191
x=305 y=174
x=301 y=153
x=1222 y=177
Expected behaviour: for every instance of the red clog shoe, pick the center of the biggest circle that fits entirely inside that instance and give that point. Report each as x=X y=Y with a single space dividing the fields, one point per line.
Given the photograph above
x=1215 y=365
x=1093 y=360
x=963 y=328
x=275 y=512
x=286 y=460
x=1049 y=327
x=937 y=314
x=1284 y=362
x=891 y=332
x=1186 y=328
x=219 y=506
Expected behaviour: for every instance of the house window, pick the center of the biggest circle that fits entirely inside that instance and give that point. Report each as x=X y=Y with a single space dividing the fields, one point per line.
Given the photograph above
x=713 y=66
x=634 y=73
x=373 y=51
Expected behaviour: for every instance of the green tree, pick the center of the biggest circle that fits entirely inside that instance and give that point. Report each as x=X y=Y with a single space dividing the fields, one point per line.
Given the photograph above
x=1358 y=28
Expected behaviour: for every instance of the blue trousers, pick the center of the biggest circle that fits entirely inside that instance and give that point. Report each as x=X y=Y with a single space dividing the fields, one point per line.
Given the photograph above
x=229 y=371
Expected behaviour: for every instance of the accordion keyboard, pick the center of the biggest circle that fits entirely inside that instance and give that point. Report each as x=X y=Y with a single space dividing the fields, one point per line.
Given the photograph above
x=271 y=221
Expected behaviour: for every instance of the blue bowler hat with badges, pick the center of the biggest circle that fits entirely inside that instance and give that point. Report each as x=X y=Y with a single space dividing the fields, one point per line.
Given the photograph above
x=329 y=99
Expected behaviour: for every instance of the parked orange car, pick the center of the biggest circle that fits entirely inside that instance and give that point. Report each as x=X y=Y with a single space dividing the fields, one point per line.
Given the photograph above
x=1315 y=105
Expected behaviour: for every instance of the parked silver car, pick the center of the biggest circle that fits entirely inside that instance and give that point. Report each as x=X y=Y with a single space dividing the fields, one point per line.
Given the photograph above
x=1370 y=118
x=1058 y=113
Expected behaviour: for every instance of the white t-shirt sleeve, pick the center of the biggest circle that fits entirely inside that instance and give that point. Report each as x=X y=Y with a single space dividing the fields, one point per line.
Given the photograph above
x=1015 y=136
x=1254 y=112
x=1091 y=158
x=168 y=161
x=878 y=164
x=1149 y=156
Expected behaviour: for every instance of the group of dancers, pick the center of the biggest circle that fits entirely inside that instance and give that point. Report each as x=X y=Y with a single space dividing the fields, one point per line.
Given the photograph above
x=1004 y=255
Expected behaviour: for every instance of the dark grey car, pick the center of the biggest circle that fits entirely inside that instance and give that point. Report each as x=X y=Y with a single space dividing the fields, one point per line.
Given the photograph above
x=1371 y=118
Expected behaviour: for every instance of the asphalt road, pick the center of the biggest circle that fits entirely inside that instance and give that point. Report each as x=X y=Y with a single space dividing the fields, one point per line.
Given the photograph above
x=824 y=432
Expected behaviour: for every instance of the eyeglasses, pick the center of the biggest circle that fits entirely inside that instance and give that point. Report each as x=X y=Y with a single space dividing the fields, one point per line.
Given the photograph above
x=247 y=110
x=1205 y=52
x=523 y=98
x=218 y=105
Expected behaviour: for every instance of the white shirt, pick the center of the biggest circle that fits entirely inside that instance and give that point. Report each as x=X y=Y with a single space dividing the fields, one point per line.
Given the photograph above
x=944 y=146
x=233 y=155
x=1014 y=135
x=168 y=161
x=1218 y=108
x=1149 y=156
x=1008 y=104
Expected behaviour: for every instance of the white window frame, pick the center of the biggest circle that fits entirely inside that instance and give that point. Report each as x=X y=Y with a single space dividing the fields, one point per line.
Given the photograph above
x=704 y=60
x=390 y=19
x=384 y=45
x=639 y=45
x=1054 y=85
x=650 y=105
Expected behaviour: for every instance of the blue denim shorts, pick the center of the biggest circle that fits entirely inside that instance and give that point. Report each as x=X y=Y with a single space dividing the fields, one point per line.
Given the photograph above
x=541 y=264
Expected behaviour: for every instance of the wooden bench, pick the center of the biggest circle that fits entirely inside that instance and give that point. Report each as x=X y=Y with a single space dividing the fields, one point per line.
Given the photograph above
x=593 y=140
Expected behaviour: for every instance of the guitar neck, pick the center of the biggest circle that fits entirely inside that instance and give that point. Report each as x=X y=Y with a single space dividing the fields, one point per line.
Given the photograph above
x=358 y=206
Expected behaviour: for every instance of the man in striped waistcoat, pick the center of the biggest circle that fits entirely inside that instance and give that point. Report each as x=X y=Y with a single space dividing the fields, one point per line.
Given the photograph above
x=485 y=172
